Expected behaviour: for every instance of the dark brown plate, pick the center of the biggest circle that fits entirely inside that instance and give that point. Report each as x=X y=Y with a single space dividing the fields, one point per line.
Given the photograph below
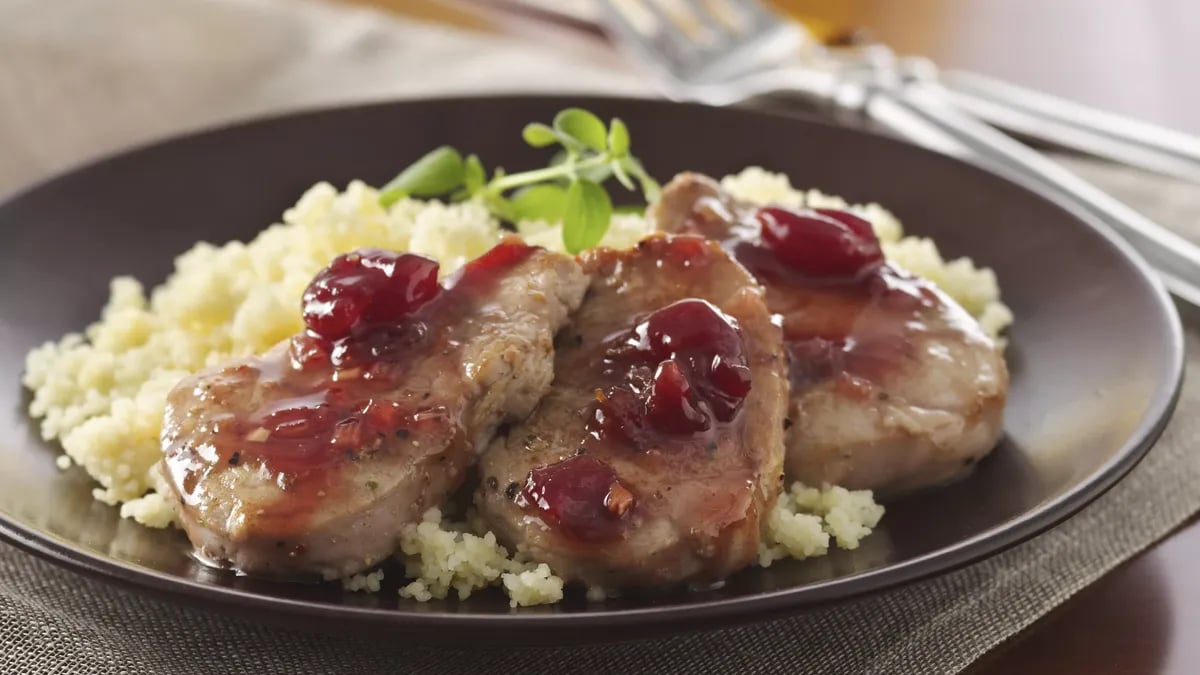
x=1096 y=352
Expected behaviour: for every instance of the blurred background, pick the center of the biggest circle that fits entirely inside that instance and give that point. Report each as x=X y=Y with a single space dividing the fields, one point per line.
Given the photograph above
x=159 y=67
x=1135 y=57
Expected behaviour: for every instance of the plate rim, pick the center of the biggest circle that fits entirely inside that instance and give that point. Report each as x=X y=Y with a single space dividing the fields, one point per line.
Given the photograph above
x=990 y=542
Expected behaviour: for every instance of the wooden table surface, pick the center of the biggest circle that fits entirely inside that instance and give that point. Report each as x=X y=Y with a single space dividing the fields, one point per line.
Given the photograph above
x=1136 y=57
x=1142 y=618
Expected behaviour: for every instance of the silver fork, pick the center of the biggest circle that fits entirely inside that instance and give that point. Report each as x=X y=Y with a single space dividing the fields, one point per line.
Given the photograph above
x=722 y=52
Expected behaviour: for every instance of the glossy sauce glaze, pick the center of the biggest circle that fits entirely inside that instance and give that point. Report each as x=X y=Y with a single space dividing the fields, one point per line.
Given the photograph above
x=680 y=371
x=658 y=450
x=334 y=394
x=581 y=496
x=847 y=315
x=894 y=386
x=671 y=383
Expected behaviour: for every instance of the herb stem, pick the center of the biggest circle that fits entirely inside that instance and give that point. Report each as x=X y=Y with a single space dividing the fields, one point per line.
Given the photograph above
x=526 y=177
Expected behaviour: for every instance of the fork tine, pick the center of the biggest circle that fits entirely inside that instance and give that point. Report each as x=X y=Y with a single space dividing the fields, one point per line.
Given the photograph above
x=750 y=32
x=724 y=14
x=646 y=26
x=757 y=15
x=742 y=36
x=687 y=17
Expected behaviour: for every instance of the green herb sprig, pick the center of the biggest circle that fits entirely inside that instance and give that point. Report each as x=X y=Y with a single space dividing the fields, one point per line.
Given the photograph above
x=570 y=190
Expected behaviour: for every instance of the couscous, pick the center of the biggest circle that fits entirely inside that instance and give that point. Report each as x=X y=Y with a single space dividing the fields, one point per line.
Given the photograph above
x=102 y=393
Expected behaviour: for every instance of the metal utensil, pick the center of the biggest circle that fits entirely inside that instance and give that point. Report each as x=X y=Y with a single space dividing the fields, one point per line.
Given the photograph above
x=1025 y=112
x=1066 y=124
x=727 y=51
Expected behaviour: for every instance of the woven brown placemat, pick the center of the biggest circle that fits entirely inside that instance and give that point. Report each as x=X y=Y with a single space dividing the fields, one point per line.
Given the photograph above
x=79 y=77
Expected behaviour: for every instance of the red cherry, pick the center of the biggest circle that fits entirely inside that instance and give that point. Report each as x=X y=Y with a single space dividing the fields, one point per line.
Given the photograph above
x=619 y=415
x=708 y=348
x=727 y=386
x=331 y=310
x=408 y=281
x=368 y=286
x=670 y=406
x=581 y=496
x=822 y=242
x=690 y=325
x=700 y=374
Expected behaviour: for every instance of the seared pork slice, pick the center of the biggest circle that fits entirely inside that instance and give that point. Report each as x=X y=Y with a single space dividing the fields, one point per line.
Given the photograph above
x=310 y=459
x=659 y=449
x=893 y=385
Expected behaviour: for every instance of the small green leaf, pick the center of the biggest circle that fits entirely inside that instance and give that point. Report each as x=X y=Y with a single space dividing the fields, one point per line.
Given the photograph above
x=540 y=202
x=434 y=174
x=473 y=174
x=618 y=138
x=619 y=172
x=500 y=207
x=582 y=126
x=539 y=135
x=586 y=216
x=650 y=187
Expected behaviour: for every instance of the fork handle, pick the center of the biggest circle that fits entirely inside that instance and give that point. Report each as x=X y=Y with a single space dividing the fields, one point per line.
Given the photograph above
x=922 y=113
x=1060 y=122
